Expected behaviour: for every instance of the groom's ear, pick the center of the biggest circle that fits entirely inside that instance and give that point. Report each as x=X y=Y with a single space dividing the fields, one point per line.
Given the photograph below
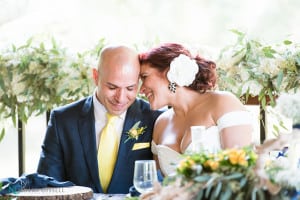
x=95 y=76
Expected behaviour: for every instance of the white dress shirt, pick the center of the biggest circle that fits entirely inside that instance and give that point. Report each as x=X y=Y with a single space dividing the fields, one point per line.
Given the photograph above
x=100 y=119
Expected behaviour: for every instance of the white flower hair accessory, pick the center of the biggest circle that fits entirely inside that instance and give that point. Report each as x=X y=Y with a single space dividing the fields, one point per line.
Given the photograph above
x=182 y=70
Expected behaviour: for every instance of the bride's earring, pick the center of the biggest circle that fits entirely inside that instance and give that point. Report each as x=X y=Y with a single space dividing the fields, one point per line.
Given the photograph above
x=172 y=87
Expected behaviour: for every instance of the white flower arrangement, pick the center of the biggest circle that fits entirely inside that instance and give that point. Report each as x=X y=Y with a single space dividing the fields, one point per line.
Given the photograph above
x=289 y=106
x=182 y=70
x=249 y=68
x=40 y=75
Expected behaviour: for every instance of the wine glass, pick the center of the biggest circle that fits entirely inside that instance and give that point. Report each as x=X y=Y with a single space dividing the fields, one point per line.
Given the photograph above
x=144 y=175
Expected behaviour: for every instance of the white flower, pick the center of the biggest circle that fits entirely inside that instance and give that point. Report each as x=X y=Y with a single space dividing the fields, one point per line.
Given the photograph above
x=289 y=105
x=182 y=70
x=269 y=66
x=244 y=74
x=253 y=86
x=34 y=67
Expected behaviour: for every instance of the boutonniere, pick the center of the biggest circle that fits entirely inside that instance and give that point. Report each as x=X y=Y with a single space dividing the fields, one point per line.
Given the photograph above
x=135 y=131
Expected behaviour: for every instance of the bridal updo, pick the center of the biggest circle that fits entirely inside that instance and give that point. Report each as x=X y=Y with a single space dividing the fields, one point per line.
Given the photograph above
x=162 y=56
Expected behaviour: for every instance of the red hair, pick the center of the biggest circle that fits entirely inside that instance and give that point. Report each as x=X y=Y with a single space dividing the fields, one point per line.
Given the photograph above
x=160 y=58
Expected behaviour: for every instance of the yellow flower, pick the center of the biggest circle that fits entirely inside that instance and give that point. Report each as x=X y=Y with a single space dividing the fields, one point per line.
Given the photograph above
x=237 y=156
x=213 y=164
x=220 y=156
x=135 y=131
x=186 y=163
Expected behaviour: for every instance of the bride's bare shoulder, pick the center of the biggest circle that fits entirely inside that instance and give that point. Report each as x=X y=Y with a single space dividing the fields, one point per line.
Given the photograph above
x=222 y=93
x=224 y=97
x=165 y=116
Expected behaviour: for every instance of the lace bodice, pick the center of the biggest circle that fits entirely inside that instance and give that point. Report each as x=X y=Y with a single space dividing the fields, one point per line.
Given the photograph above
x=169 y=158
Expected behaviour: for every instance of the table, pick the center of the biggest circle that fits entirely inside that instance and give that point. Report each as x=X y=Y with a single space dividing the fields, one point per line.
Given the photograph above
x=56 y=193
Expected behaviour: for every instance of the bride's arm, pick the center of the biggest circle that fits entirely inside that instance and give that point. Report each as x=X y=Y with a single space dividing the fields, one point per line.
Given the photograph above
x=236 y=136
x=235 y=123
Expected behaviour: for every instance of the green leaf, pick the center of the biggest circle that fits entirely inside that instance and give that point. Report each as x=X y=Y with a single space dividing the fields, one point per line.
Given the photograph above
x=243 y=182
x=253 y=194
x=263 y=102
x=2 y=134
x=14 y=48
x=279 y=78
x=268 y=52
x=54 y=44
x=2 y=84
x=218 y=189
x=42 y=46
x=29 y=41
x=287 y=42
x=233 y=176
x=227 y=194
x=207 y=191
x=261 y=194
x=237 y=32
x=199 y=195
x=202 y=179
x=136 y=125
x=237 y=53
x=275 y=130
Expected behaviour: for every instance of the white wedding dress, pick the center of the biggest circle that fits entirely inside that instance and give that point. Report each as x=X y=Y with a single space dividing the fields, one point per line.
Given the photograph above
x=169 y=158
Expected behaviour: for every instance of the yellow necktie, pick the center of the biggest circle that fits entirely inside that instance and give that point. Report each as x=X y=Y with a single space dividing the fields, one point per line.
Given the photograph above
x=107 y=151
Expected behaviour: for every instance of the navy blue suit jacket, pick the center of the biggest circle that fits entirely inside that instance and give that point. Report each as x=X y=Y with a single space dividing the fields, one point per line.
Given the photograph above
x=69 y=151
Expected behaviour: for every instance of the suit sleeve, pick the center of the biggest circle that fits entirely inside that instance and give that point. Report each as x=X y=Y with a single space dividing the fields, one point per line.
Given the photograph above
x=51 y=158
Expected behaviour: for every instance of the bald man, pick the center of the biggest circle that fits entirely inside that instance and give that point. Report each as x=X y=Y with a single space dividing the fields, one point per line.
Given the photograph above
x=70 y=148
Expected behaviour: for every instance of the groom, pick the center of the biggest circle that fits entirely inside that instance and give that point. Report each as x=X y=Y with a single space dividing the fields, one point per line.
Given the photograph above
x=70 y=148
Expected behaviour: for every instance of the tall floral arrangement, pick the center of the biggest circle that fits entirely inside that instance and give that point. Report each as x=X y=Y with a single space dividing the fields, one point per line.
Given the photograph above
x=251 y=68
x=41 y=74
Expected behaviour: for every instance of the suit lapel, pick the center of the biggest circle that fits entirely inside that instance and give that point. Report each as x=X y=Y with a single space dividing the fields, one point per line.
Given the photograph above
x=86 y=128
x=131 y=118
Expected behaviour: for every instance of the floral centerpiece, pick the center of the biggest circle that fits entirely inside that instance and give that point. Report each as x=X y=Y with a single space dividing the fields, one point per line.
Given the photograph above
x=249 y=68
x=245 y=173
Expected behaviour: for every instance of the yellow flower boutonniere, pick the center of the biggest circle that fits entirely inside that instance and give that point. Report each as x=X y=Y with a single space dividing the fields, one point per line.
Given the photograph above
x=135 y=131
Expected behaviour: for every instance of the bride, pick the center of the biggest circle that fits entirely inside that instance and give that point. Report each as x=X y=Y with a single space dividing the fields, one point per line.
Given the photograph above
x=172 y=77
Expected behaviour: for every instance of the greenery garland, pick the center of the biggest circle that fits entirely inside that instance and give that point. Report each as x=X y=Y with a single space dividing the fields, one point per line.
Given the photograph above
x=40 y=75
x=250 y=68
